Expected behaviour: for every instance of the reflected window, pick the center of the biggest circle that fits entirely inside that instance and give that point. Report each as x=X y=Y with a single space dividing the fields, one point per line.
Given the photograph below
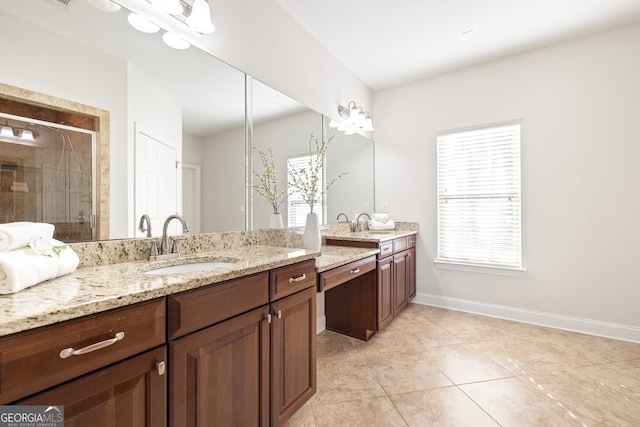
x=298 y=208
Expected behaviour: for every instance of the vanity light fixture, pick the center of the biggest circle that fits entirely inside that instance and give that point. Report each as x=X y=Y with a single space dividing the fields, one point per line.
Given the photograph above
x=173 y=7
x=175 y=41
x=142 y=24
x=105 y=5
x=17 y=134
x=353 y=118
x=200 y=17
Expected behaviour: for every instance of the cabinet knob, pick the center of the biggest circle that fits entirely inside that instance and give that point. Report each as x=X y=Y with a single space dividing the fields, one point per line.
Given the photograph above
x=279 y=314
x=161 y=368
x=267 y=317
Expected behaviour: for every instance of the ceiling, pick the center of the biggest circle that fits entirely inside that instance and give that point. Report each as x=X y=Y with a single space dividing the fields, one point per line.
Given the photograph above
x=386 y=43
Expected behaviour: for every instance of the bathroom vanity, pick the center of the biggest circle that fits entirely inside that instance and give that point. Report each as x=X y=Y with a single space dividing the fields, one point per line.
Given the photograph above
x=234 y=345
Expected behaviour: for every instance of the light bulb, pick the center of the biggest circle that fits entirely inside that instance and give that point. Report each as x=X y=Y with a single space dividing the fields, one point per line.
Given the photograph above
x=142 y=24
x=200 y=18
x=175 y=41
x=170 y=6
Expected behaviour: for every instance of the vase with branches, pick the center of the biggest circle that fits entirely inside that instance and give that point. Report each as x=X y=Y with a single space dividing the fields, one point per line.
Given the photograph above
x=266 y=185
x=306 y=183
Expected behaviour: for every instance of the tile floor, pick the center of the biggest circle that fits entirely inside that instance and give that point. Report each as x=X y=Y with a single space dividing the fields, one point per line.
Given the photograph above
x=436 y=367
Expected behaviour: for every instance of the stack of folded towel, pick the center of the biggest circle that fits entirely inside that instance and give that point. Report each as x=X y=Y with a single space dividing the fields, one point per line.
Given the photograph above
x=381 y=221
x=29 y=255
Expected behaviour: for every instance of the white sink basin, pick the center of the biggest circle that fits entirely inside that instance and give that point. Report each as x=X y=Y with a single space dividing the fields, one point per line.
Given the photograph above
x=190 y=268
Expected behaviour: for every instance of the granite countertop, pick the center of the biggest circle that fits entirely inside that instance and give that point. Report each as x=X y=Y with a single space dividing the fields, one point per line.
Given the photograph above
x=95 y=289
x=99 y=288
x=369 y=235
x=336 y=256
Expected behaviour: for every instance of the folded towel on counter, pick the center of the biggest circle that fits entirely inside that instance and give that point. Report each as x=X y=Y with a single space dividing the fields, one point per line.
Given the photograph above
x=380 y=217
x=42 y=260
x=17 y=235
x=379 y=225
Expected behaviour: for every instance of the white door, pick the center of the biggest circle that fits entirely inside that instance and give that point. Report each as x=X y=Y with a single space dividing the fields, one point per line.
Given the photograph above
x=156 y=183
x=191 y=196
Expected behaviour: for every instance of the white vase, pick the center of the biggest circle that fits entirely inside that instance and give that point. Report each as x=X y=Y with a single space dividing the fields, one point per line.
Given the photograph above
x=275 y=221
x=312 y=239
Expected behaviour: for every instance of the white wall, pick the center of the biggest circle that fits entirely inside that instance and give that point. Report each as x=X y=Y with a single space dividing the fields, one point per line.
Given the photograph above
x=579 y=104
x=49 y=63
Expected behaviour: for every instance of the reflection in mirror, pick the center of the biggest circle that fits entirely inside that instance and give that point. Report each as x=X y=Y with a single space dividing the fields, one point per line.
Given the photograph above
x=284 y=126
x=354 y=193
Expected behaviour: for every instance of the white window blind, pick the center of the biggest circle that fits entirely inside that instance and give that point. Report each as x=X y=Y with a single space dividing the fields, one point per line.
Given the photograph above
x=479 y=196
x=297 y=207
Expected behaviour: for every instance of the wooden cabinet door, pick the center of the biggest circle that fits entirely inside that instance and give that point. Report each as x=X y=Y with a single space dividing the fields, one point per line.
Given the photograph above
x=400 y=282
x=293 y=354
x=385 y=292
x=411 y=273
x=132 y=393
x=219 y=376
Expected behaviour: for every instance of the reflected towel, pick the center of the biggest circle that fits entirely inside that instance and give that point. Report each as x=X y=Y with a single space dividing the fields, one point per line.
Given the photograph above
x=379 y=225
x=380 y=217
x=17 y=235
x=22 y=268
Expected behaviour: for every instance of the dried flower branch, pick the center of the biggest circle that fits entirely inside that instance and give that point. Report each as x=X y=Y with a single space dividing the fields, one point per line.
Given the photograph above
x=305 y=181
x=267 y=185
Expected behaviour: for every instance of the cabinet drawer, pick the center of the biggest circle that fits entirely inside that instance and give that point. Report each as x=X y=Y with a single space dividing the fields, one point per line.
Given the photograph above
x=292 y=278
x=399 y=244
x=32 y=361
x=196 y=309
x=337 y=276
x=386 y=249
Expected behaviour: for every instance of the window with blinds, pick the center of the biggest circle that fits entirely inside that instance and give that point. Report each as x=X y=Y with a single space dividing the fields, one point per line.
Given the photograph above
x=297 y=207
x=479 y=196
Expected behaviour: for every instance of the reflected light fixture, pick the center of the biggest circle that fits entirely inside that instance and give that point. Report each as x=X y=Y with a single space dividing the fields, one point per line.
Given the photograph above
x=142 y=24
x=105 y=5
x=200 y=18
x=17 y=134
x=354 y=118
x=175 y=41
x=174 y=7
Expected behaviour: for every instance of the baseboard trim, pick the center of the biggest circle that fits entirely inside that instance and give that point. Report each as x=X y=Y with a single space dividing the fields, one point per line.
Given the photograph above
x=568 y=323
x=321 y=324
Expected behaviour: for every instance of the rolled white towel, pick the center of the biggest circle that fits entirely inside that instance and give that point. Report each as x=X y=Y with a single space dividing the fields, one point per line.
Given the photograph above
x=380 y=217
x=44 y=259
x=16 y=235
x=378 y=225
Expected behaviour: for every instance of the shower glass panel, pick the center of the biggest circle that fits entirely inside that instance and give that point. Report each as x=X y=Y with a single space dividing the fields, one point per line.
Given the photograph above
x=47 y=175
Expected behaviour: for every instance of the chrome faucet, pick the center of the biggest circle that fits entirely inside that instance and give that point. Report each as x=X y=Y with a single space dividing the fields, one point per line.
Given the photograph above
x=356 y=222
x=164 y=248
x=344 y=215
x=145 y=218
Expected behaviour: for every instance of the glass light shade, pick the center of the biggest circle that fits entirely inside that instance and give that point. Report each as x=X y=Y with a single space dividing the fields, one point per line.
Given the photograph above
x=142 y=24
x=350 y=131
x=200 y=18
x=170 y=6
x=361 y=119
x=368 y=124
x=175 y=41
x=105 y=5
x=26 y=134
x=333 y=124
x=353 y=113
x=6 y=131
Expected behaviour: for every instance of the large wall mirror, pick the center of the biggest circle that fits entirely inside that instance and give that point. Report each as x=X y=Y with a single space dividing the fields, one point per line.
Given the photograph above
x=186 y=101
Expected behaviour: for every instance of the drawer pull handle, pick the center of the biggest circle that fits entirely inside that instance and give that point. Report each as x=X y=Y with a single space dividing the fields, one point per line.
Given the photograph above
x=354 y=271
x=297 y=279
x=386 y=249
x=68 y=352
x=161 y=368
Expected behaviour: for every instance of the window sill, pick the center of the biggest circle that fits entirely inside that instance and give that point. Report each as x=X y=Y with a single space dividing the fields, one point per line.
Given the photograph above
x=479 y=268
